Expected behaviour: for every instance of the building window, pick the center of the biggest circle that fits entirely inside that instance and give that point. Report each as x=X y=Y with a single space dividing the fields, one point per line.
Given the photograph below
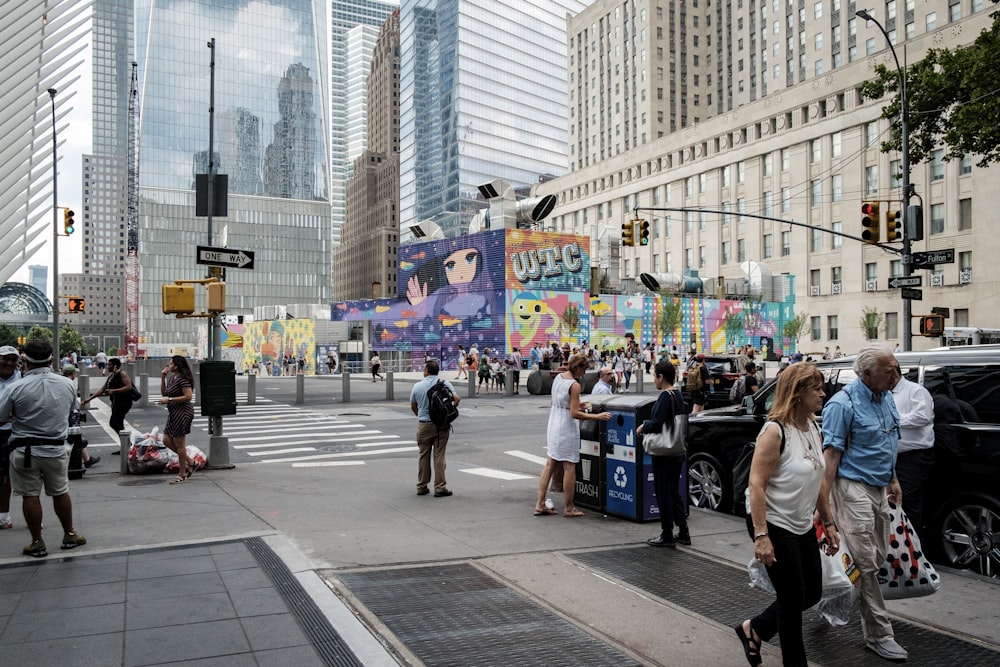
x=837 y=188
x=814 y=326
x=871 y=134
x=702 y=257
x=815 y=151
x=964 y=214
x=741 y=250
x=785 y=159
x=961 y=317
x=871 y=271
x=816 y=240
x=937 y=165
x=688 y=258
x=814 y=279
x=892 y=325
x=786 y=200
x=625 y=267
x=726 y=252
x=768 y=159
x=831 y=328
x=871 y=180
x=768 y=245
x=937 y=218
x=895 y=174
x=667 y=263
x=702 y=179
x=836 y=240
x=768 y=203
x=895 y=268
x=965 y=166
x=931 y=21
x=815 y=192
x=741 y=171
x=835 y=147
x=656 y=263
x=725 y=176
x=688 y=186
x=836 y=275
x=786 y=244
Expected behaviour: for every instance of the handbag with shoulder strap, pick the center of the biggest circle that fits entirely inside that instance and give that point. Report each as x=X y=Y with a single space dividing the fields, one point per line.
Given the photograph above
x=671 y=440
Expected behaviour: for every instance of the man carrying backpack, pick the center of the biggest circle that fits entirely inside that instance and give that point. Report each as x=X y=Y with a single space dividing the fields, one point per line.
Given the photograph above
x=745 y=385
x=696 y=383
x=435 y=404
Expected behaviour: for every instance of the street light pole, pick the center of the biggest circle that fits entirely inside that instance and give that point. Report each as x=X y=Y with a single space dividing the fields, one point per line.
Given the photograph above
x=907 y=256
x=55 y=237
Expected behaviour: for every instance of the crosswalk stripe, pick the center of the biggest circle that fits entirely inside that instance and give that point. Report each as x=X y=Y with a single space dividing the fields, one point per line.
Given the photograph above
x=326 y=464
x=366 y=435
x=291 y=429
x=283 y=451
x=496 y=474
x=534 y=458
x=393 y=450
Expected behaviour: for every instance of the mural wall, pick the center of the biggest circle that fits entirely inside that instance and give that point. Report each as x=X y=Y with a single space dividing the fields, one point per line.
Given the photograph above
x=271 y=340
x=509 y=288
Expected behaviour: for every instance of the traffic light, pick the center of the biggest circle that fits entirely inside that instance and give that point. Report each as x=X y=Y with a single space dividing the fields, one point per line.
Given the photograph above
x=68 y=222
x=643 y=231
x=893 y=224
x=871 y=222
x=77 y=304
x=931 y=325
x=628 y=234
x=216 y=297
x=178 y=299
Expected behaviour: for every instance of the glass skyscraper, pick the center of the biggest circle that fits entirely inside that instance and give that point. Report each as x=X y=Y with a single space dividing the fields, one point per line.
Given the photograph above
x=350 y=57
x=483 y=96
x=271 y=139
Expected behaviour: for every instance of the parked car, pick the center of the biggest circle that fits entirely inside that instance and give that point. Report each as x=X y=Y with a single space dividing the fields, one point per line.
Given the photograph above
x=962 y=496
x=723 y=370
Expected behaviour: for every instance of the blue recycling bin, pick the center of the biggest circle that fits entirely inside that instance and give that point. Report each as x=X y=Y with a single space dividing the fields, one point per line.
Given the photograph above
x=628 y=470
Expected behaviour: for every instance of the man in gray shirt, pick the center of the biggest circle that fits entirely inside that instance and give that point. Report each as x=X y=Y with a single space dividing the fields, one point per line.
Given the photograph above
x=40 y=405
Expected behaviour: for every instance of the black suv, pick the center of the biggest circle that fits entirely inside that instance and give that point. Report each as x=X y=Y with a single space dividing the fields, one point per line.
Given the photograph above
x=723 y=371
x=962 y=496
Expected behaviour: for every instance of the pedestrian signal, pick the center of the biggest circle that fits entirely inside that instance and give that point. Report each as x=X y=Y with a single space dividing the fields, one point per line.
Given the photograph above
x=931 y=325
x=77 y=304
x=178 y=299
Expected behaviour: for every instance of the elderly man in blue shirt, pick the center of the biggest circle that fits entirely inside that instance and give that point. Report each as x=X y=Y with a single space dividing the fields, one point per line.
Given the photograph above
x=860 y=441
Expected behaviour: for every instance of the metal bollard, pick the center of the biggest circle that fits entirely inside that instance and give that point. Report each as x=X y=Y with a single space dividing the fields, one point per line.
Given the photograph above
x=472 y=385
x=345 y=381
x=390 y=390
x=300 y=389
x=251 y=389
x=144 y=390
x=509 y=385
x=638 y=381
x=83 y=384
x=123 y=445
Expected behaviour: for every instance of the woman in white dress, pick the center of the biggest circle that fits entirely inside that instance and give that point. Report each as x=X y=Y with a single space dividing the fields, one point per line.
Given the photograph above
x=563 y=435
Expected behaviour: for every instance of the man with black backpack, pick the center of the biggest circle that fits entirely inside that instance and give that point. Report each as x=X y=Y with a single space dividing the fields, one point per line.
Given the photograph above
x=435 y=404
x=696 y=381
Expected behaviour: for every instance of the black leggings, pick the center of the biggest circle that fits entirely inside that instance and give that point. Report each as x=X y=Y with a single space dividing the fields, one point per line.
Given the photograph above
x=797 y=576
x=119 y=409
x=667 y=486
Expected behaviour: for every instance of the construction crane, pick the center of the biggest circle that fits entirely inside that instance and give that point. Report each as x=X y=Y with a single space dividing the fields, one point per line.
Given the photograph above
x=132 y=258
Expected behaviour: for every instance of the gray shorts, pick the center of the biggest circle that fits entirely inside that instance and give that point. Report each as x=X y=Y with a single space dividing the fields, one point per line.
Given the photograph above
x=48 y=471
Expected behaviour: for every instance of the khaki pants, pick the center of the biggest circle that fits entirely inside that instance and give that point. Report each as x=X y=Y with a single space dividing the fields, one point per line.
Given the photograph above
x=862 y=515
x=431 y=441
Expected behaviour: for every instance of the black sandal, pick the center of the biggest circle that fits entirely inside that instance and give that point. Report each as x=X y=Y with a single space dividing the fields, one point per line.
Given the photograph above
x=750 y=648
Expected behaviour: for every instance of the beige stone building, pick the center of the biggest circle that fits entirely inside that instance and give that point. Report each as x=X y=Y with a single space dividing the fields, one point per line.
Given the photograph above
x=364 y=266
x=756 y=108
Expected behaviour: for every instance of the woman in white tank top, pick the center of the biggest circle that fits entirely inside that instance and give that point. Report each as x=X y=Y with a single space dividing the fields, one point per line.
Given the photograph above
x=786 y=488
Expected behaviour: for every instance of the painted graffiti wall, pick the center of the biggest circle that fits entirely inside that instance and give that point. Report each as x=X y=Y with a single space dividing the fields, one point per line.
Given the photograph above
x=271 y=340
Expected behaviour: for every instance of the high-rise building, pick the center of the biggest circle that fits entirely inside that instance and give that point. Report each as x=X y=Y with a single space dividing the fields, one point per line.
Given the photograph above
x=271 y=139
x=38 y=277
x=102 y=215
x=354 y=25
x=483 y=96
x=365 y=262
x=767 y=118
x=42 y=48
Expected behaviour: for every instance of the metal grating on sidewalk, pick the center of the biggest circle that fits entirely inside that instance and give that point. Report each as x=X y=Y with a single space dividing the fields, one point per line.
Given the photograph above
x=720 y=592
x=458 y=615
x=328 y=644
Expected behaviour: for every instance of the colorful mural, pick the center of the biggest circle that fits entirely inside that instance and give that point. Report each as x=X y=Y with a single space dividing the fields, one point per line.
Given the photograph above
x=271 y=340
x=509 y=288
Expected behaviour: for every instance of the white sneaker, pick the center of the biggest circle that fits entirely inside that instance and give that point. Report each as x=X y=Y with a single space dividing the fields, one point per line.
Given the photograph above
x=5 y=521
x=888 y=648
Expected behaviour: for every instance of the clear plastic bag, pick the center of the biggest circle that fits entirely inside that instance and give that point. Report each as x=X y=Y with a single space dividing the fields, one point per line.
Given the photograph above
x=758 y=576
x=841 y=581
x=147 y=454
x=195 y=456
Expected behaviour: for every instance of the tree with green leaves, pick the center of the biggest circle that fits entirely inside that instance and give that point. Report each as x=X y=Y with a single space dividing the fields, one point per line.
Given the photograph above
x=796 y=327
x=70 y=340
x=9 y=334
x=38 y=332
x=871 y=322
x=953 y=101
x=670 y=317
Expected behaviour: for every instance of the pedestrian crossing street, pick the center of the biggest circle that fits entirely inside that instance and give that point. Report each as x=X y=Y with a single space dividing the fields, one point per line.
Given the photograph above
x=270 y=432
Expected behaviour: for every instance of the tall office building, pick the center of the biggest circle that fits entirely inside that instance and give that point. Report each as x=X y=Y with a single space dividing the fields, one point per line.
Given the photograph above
x=483 y=94
x=365 y=262
x=354 y=26
x=271 y=138
x=102 y=215
x=795 y=142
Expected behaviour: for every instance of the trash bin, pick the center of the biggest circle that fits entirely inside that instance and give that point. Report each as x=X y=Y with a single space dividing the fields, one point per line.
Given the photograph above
x=590 y=482
x=628 y=471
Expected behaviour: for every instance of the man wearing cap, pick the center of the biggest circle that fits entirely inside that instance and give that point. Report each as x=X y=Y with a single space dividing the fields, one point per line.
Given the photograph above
x=9 y=374
x=40 y=405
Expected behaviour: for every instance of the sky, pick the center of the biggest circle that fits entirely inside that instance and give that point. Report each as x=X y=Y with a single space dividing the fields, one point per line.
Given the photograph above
x=74 y=143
